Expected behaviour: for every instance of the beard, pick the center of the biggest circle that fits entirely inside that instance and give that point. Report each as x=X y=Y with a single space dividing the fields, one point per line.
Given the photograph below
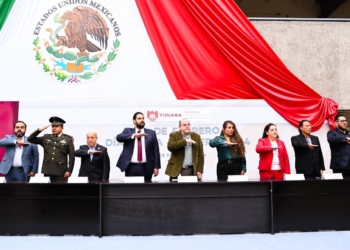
x=341 y=129
x=140 y=125
x=20 y=133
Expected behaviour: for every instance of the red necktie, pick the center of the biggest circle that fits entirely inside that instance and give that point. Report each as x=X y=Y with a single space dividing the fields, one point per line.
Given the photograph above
x=139 y=148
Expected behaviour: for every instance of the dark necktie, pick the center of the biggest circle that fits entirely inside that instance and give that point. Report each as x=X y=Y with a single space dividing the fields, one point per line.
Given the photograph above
x=139 y=148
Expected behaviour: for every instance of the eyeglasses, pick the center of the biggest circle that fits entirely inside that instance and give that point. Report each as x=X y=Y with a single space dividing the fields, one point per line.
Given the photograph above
x=343 y=121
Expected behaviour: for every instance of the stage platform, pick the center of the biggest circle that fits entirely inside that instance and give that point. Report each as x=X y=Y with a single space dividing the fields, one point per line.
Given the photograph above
x=163 y=208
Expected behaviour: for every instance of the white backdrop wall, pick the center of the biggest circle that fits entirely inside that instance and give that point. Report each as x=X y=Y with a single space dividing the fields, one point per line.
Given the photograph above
x=206 y=118
x=134 y=81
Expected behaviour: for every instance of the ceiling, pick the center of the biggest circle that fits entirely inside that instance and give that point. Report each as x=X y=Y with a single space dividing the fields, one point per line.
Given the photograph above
x=295 y=8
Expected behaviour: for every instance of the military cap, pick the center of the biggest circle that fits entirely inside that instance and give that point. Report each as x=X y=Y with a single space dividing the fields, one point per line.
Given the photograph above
x=54 y=120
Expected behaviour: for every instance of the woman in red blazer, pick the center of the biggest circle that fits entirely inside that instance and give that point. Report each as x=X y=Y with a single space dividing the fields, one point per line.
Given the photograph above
x=274 y=161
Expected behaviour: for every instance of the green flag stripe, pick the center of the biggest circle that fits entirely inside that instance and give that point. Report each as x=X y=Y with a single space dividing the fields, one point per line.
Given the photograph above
x=5 y=8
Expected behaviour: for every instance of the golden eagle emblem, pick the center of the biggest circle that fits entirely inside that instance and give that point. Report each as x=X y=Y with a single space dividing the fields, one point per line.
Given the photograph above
x=80 y=23
x=77 y=43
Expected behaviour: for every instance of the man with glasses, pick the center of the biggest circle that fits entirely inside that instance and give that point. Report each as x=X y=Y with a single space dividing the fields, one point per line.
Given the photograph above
x=339 y=142
x=187 y=156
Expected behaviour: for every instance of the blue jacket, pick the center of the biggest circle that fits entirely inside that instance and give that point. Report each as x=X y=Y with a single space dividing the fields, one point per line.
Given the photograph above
x=30 y=155
x=152 y=149
x=340 y=148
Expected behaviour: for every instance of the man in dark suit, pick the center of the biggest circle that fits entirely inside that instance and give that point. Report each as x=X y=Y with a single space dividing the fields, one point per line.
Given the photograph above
x=308 y=152
x=339 y=142
x=57 y=147
x=21 y=159
x=94 y=159
x=140 y=156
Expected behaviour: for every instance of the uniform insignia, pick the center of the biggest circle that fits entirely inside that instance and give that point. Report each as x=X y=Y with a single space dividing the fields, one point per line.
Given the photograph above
x=69 y=136
x=63 y=141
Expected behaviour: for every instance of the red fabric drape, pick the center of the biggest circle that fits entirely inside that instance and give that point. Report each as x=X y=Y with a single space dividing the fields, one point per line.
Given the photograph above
x=210 y=50
x=8 y=116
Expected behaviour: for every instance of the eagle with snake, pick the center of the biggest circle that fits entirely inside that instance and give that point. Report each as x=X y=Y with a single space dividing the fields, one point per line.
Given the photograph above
x=80 y=23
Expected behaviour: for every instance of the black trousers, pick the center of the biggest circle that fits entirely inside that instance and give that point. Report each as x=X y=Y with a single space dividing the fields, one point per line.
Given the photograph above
x=312 y=175
x=56 y=178
x=345 y=172
x=226 y=168
x=135 y=169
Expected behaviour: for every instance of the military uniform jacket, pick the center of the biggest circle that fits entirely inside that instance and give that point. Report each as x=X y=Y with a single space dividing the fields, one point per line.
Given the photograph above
x=56 y=152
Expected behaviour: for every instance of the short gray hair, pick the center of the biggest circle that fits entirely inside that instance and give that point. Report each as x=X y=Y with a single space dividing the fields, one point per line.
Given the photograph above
x=183 y=119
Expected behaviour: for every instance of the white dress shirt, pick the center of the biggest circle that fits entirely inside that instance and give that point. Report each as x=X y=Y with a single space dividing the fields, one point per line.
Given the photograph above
x=134 y=155
x=17 y=160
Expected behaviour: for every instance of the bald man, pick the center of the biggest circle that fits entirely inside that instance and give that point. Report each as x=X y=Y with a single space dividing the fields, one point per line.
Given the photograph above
x=94 y=159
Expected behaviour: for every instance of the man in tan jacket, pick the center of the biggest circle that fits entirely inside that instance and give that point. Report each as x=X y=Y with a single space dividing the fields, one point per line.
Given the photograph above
x=187 y=156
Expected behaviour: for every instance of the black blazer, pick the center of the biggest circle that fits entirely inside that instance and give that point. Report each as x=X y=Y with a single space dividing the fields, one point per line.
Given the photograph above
x=307 y=159
x=340 y=149
x=98 y=168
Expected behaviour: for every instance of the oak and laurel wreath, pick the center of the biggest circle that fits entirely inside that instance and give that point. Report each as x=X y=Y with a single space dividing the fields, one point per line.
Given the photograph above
x=61 y=76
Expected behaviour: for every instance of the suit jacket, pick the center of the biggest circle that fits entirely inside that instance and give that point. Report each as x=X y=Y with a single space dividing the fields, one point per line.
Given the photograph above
x=56 y=150
x=306 y=159
x=97 y=168
x=30 y=156
x=340 y=149
x=152 y=149
x=176 y=145
x=264 y=149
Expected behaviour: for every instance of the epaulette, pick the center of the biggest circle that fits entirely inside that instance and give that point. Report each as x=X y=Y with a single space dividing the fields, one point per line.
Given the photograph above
x=69 y=136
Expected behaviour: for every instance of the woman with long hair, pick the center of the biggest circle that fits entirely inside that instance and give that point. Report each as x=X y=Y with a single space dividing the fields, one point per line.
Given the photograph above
x=274 y=161
x=231 y=152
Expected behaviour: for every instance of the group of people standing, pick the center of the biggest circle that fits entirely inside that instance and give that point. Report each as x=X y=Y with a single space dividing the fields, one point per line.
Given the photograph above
x=141 y=157
x=274 y=161
x=21 y=159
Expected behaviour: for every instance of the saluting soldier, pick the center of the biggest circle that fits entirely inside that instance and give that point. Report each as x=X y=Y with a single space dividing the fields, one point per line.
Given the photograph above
x=57 y=147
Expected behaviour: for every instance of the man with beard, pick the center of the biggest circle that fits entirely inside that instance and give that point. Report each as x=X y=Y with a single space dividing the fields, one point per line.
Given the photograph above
x=21 y=159
x=339 y=142
x=140 y=156
x=57 y=146
x=94 y=159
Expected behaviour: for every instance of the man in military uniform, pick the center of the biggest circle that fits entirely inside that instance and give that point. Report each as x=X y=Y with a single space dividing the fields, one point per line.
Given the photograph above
x=57 y=146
